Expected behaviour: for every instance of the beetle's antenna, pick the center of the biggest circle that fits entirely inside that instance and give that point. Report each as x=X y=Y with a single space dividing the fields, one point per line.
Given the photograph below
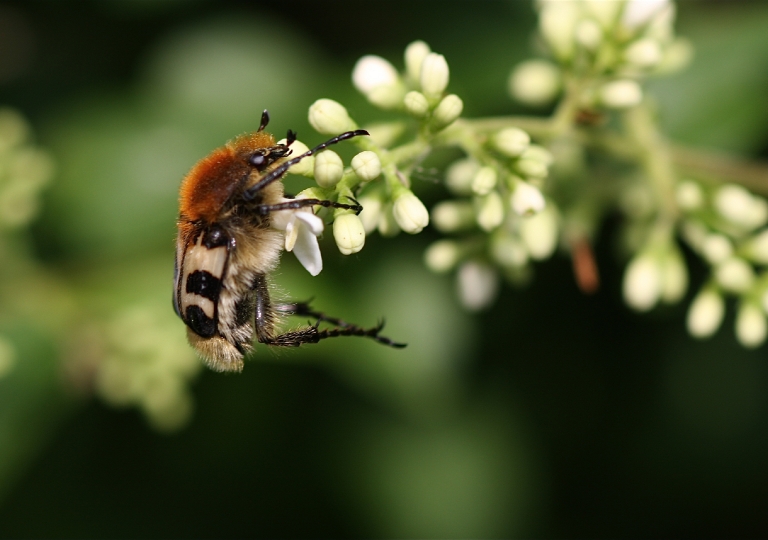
x=264 y=120
x=276 y=173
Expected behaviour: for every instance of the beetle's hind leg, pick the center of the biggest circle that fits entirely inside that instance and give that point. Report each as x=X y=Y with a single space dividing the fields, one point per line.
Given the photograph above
x=341 y=328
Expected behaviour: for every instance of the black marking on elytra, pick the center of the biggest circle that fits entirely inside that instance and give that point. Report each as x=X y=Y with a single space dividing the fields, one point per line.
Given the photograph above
x=200 y=323
x=215 y=237
x=205 y=284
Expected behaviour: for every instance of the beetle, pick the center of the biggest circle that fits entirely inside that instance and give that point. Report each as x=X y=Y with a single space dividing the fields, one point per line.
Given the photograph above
x=227 y=246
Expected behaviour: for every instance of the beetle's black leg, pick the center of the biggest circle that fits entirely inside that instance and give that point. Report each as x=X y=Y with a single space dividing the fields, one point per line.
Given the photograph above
x=343 y=328
x=265 y=209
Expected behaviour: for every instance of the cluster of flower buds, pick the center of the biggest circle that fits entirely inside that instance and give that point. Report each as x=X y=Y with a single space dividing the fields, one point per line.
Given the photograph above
x=612 y=44
x=499 y=215
x=24 y=171
x=725 y=225
x=379 y=176
x=147 y=364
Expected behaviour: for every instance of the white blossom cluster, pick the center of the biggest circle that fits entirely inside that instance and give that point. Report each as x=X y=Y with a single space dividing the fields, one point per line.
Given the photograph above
x=526 y=185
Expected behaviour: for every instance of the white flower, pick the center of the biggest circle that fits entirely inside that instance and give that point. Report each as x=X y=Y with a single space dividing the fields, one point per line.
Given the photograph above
x=301 y=228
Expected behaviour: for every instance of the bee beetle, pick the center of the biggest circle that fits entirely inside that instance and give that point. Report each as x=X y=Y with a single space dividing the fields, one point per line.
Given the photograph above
x=226 y=248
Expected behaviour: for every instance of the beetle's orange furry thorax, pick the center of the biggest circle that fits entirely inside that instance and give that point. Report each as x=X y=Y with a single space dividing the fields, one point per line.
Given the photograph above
x=212 y=181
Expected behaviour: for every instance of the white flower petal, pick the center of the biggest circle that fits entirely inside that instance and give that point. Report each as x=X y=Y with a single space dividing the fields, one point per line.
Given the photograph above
x=307 y=250
x=313 y=222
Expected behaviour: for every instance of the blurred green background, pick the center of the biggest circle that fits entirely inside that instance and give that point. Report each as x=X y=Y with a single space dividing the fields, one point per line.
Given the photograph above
x=551 y=415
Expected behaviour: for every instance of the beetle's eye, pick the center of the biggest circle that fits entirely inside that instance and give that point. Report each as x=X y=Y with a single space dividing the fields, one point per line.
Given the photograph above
x=257 y=160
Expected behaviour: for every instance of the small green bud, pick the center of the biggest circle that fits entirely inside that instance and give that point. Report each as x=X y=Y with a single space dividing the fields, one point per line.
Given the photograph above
x=589 y=34
x=447 y=111
x=508 y=251
x=511 y=142
x=539 y=233
x=416 y=104
x=484 y=181
x=434 y=75
x=557 y=24
x=531 y=168
x=387 y=96
x=644 y=53
x=366 y=165
x=349 y=233
x=409 y=212
x=329 y=117
x=415 y=53
x=689 y=195
x=328 y=169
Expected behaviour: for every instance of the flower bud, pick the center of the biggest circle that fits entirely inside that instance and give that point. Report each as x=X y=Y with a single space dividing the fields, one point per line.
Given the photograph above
x=527 y=200
x=511 y=141
x=442 y=256
x=484 y=181
x=459 y=177
x=751 y=327
x=328 y=169
x=531 y=168
x=557 y=23
x=452 y=216
x=535 y=83
x=735 y=275
x=539 y=233
x=416 y=104
x=372 y=71
x=387 y=96
x=638 y=13
x=740 y=207
x=372 y=209
x=689 y=195
x=589 y=34
x=716 y=248
x=621 y=94
x=447 y=111
x=329 y=117
x=434 y=75
x=478 y=284
x=367 y=165
x=757 y=247
x=387 y=224
x=508 y=251
x=410 y=213
x=415 y=53
x=643 y=53
x=306 y=166
x=490 y=212
x=642 y=282
x=705 y=314
x=674 y=277
x=349 y=233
